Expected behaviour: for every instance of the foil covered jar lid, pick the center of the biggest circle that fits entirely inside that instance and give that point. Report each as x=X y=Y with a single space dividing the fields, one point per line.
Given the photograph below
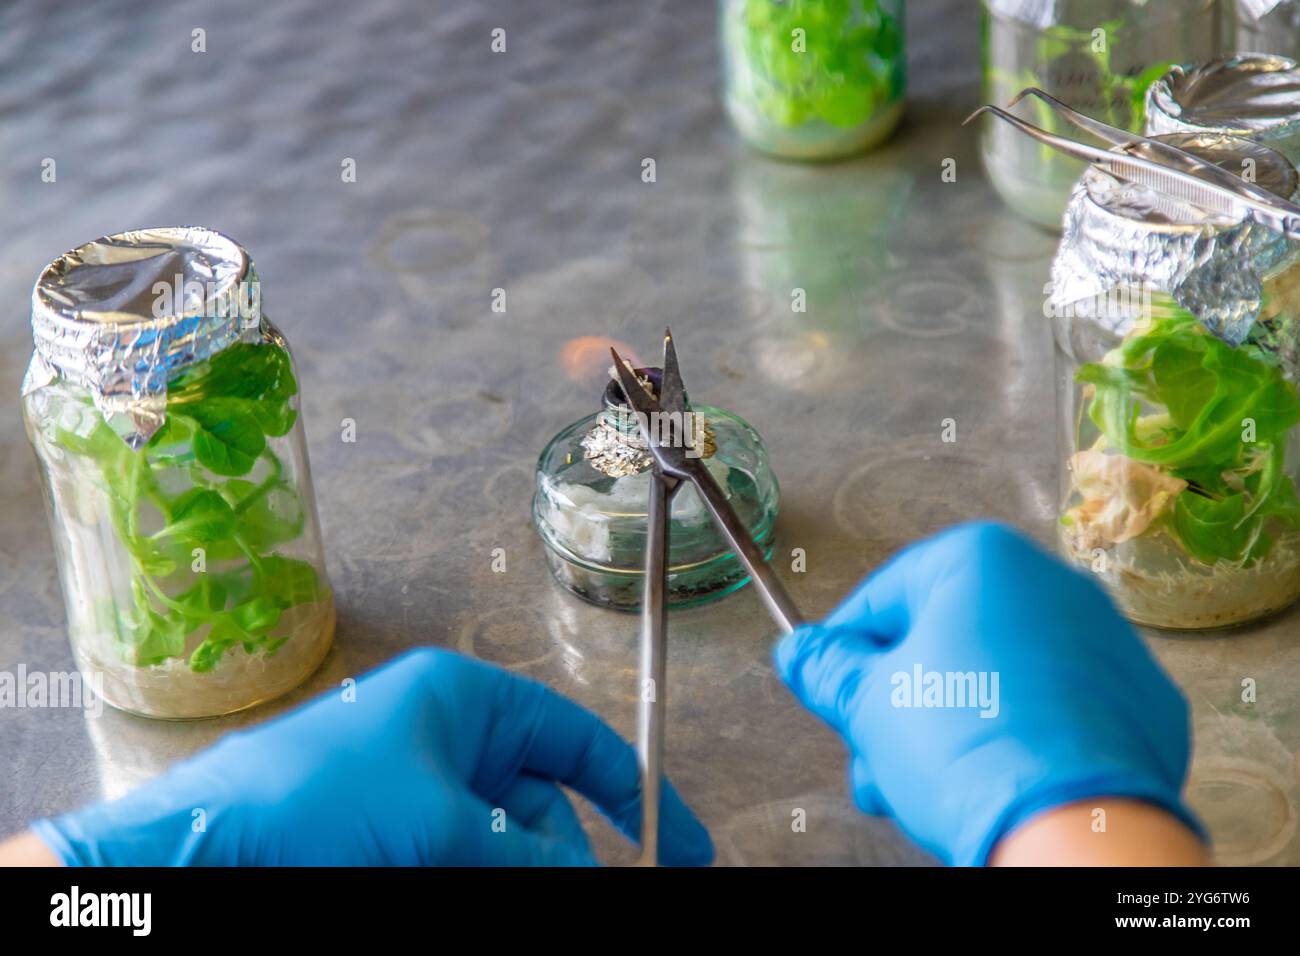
x=1243 y=94
x=121 y=315
x=1119 y=235
x=1079 y=14
x=1252 y=11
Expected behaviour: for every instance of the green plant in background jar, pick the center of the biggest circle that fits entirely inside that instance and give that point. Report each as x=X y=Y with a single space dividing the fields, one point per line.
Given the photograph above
x=1098 y=56
x=813 y=79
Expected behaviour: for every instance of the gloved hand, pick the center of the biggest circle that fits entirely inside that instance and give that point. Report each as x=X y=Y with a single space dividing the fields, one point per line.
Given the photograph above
x=1075 y=706
x=409 y=773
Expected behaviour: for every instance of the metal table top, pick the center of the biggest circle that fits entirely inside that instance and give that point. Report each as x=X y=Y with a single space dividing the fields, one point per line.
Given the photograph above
x=522 y=171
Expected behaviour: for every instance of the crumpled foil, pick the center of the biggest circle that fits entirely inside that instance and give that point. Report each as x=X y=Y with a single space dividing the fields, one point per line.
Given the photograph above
x=610 y=450
x=1039 y=13
x=1119 y=234
x=1253 y=95
x=102 y=320
x=615 y=447
x=1252 y=11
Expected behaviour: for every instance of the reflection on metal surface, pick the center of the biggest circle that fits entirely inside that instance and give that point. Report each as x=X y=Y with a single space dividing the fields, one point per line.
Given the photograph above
x=798 y=360
x=605 y=294
x=511 y=482
x=130 y=750
x=812 y=239
x=426 y=244
x=1005 y=238
x=907 y=492
x=810 y=828
x=514 y=637
x=929 y=308
x=1249 y=815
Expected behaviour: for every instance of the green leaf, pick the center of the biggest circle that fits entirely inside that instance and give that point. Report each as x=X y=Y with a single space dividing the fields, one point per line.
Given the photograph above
x=200 y=515
x=223 y=635
x=257 y=616
x=242 y=370
x=1141 y=83
x=155 y=639
x=274 y=417
x=1174 y=367
x=286 y=581
x=202 y=601
x=1214 y=530
x=229 y=439
x=266 y=516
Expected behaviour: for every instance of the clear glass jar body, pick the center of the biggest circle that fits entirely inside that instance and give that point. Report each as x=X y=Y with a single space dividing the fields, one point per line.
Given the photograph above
x=813 y=79
x=1180 y=457
x=1098 y=56
x=1277 y=31
x=192 y=568
x=594 y=524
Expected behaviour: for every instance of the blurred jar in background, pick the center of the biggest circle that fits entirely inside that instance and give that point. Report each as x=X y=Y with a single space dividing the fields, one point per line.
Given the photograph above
x=813 y=79
x=1098 y=56
x=1264 y=26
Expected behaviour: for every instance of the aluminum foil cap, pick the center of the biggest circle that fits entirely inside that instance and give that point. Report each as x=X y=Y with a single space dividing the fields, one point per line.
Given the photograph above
x=1243 y=95
x=121 y=315
x=1039 y=13
x=1073 y=13
x=1252 y=11
x=1121 y=235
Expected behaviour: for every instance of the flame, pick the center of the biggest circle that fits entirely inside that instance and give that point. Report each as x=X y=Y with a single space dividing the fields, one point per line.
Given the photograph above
x=585 y=359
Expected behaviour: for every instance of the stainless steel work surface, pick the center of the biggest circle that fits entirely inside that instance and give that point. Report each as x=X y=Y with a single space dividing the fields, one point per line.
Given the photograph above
x=523 y=171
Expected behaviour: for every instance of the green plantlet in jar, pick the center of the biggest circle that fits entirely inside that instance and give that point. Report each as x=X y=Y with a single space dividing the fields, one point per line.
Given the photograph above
x=838 y=61
x=1175 y=397
x=195 y=480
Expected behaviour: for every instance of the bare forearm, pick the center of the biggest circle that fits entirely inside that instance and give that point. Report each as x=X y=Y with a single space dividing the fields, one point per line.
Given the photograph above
x=26 y=849
x=1103 y=832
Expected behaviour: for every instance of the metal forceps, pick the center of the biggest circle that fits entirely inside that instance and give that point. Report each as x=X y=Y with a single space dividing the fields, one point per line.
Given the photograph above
x=1162 y=166
x=666 y=424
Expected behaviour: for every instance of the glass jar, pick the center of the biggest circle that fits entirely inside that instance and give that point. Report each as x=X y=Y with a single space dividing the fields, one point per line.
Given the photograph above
x=1177 y=364
x=813 y=79
x=1098 y=56
x=1264 y=26
x=164 y=412
x=593 y=484
x=1251 y=95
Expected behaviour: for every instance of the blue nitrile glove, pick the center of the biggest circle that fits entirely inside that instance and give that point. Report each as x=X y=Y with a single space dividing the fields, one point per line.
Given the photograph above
x=1079 y=710
x=414 y=771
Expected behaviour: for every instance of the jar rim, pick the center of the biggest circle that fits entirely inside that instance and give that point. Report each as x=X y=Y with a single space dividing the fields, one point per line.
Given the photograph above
x=114 y=280
x=122 y=314
x=1239 y=94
